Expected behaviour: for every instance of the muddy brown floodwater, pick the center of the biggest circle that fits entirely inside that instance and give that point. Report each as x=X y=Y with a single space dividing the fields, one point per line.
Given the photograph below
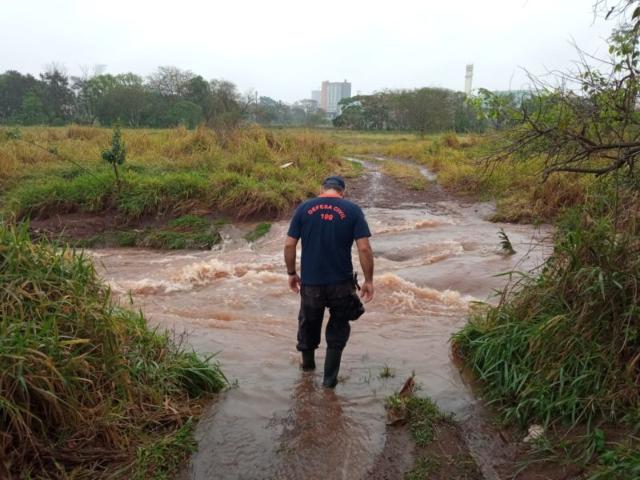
x=434 y=255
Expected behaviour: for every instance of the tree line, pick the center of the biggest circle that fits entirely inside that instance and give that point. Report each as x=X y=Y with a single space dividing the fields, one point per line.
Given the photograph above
x=166 y=98
x=170 y=96
x=423 y=110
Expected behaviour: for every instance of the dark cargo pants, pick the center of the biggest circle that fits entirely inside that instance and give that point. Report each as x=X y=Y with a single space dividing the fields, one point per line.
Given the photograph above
x=313 y=300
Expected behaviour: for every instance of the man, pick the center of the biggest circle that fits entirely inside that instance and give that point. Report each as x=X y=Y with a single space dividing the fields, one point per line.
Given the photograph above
x=328 y=225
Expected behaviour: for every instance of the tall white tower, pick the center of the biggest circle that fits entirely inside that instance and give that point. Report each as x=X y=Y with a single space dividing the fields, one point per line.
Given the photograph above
x=468 y=79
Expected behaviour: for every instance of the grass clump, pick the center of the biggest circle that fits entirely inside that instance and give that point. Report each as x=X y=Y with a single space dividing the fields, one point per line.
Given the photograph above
x=421 y=414
x=436 y=434
x=423 y=467
x=260 y=231
x=186 y=232
x=386 y=372
x=563 y=346
x=87 y=389
x=406 y=175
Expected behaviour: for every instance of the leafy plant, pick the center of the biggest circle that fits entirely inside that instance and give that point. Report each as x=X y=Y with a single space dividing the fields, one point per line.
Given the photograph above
x=117 y=154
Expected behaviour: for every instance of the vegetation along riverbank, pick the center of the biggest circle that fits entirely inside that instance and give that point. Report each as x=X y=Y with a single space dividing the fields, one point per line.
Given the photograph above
x=560 y=348
x=88 y=389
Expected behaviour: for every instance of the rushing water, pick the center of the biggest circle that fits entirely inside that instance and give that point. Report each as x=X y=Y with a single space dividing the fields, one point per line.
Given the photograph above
x=432 y=260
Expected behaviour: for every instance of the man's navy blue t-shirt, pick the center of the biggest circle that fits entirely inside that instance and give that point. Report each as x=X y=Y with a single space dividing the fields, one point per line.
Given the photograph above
x=328 y=225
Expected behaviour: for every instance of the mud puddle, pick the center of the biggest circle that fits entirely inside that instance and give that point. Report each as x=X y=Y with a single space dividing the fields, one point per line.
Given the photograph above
x=434 y=257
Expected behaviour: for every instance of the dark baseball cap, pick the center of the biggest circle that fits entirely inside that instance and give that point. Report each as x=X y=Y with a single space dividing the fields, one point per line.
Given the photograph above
x=334 y=181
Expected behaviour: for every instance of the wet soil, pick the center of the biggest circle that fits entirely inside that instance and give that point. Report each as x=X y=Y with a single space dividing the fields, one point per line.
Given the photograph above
x=75 y=226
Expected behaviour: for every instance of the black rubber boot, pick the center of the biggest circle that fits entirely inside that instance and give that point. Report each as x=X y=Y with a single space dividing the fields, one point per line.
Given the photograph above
x=332 y=367
x=308 y=360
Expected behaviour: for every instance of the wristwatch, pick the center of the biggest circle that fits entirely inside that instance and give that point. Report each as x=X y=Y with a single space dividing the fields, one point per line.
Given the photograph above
x=292 y=273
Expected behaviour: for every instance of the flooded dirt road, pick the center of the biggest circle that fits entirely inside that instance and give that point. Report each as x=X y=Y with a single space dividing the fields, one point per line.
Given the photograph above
x=434 y=255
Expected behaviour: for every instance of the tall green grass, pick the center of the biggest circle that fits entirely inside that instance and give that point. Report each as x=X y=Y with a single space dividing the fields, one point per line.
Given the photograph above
x=86 y=388
x=563 y=346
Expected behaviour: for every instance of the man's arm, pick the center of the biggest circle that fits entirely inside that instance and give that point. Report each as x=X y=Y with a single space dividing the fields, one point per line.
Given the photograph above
x=366 y=262
x=290 y=245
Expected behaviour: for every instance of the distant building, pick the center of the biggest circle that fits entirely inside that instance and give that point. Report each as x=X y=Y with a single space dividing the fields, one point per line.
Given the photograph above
x=331 y=94
x=316 y=95
x=468 y=80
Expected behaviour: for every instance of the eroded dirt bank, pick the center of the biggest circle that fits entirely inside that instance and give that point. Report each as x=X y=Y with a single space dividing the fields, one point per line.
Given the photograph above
x=435 y=255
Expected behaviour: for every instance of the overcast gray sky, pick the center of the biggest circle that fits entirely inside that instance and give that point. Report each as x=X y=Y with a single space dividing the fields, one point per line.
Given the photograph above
x=285 y=48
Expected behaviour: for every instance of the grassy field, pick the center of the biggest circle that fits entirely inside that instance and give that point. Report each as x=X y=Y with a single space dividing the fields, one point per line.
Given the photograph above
x=461 y=166
x=52 y=171
x=87 y=390
x=250 y=171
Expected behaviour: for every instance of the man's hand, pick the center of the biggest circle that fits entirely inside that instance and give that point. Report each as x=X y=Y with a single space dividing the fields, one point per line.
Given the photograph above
x=294 y=283
x=366 y=292
x=366 y=261
x=290 y=261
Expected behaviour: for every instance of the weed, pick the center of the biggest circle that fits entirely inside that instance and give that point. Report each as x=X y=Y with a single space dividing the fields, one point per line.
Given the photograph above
x=260 y=231
x=450 y=140
x=421 y=413
x=190 y=223
x=367 y=378
x=407 y=175
x=423 y=467
x=505 y=243
x=619 y=461
x=162 y=459
x=386 y=372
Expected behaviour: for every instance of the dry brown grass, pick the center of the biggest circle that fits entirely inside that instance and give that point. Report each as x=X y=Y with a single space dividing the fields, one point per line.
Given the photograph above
x=167 y=171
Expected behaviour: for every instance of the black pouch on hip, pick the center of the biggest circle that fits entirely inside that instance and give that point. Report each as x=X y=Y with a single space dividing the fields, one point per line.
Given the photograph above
x=356 y=309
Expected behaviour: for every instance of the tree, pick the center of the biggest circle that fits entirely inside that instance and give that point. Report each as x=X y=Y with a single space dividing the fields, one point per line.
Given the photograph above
x=352 y=114
x=466 y=117
x=31 y=112
x=87 y=95
x=14 y=86
x=122 y=102
x=269 y=111
x=170 y=82
x=228 y=106
x=198 y=91
x=426 y=109
x=185 y=113
x=588 y=121
x=59 y=99
x=117 y=154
